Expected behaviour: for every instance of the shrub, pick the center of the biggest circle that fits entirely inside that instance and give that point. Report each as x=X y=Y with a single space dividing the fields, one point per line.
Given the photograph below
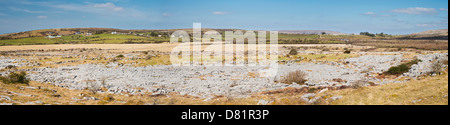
x=293 y=52
x=358 y=84
x=398 y=69
x=109 y=98
x=15 y=78
x=120 y=56
x=117 y=58
x=298 y=77
x=149 y=57
x=403 y=68
x=437 y=66
x=347 y=52
x=10 y=67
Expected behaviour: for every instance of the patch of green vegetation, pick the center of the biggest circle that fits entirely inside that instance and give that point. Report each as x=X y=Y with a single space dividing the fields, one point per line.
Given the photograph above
x=347 y=51
x=403 y=68
x=15 y=78
x=293 y=52
x=28 y=41
x=120 y=56
x=81 y=39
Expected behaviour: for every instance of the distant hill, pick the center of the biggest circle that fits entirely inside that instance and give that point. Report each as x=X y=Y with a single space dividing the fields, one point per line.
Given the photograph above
x=433 y=32
x=59 y=31
x=72 y=31
x=441 y=34
x=311 y=32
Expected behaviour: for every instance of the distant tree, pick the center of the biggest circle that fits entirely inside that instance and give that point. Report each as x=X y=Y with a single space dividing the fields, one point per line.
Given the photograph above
x=381 y=34
x=367 y=34
x=153 y=34
x=324 y=33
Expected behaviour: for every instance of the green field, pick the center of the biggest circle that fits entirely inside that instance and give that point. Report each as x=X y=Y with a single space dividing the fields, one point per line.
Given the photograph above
x=28 y=41
x=80 y=39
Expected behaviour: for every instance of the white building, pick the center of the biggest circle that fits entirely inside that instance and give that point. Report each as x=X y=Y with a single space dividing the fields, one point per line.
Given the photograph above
x=88 y=34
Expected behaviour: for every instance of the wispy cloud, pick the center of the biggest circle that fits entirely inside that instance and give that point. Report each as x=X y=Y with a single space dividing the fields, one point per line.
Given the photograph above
x=442 y=23
x=416 y=11
x=93 y=8
x=219 y=13
x=109 y=6
x=2 y=14
x=444 y=9
x=25 y=10
x=41 y=17
x=425 y=25
x=401 y=21
x=369 y=13
x=373 y=14
x=166 y=14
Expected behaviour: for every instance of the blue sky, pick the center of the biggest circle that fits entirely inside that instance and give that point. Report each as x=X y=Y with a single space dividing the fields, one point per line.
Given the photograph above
x=349 y=16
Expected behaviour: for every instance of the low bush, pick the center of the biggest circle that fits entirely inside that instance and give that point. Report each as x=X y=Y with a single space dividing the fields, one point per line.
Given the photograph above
x=347 y=51
x=15 y=78
x=293 y=52
x=359 y=84
x=403 y=68
x=438 y=66
x=10 y=67
x=120 y=56
x=298 y=77
x=398 y=69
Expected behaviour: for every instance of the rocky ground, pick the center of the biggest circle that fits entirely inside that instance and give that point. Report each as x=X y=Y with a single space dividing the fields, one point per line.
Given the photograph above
x=210 y=81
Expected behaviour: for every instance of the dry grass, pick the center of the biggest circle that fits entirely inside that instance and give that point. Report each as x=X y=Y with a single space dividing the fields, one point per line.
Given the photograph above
x=417 y=44
x=428 y=91
x=298 y=77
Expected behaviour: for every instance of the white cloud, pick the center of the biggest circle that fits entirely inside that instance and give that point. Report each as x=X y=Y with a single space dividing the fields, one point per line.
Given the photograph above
x=416 y=11
x=369 y=13
x=422 y=25
x=108 y=9
x=220 y=13
x=109 y=6
x=165 y=14
x=93 y=8
x=42 y=17
x=373 y=14
x=441 y=24
x=444 y=9
x=25 y=10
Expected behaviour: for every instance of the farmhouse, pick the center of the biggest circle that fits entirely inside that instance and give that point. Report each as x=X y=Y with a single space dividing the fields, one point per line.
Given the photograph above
x=51 y=37
x=88 y=34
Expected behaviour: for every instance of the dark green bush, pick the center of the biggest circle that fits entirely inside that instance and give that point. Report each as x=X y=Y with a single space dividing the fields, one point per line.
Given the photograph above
x=403 y=68
x=347 y=52
x=15 y=78
x=120 y=56
x=398 y=69
x=293 y=52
